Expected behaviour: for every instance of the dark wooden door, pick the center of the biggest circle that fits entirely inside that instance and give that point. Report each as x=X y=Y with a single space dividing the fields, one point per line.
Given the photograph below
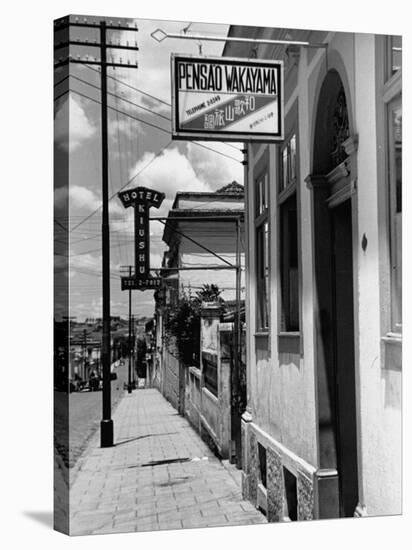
x=344 y=356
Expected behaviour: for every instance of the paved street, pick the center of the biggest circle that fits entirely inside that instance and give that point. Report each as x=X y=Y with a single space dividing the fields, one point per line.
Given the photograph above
x=85 y=412
x=159 y=475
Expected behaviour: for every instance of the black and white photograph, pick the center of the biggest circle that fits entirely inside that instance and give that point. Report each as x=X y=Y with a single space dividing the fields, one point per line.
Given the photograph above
x=228 y=274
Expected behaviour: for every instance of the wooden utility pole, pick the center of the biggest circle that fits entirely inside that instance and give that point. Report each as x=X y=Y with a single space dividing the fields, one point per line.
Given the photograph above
x=236 y=436
x=133 y=352
x=129 y=380
x=130 y=273
x=106 y=424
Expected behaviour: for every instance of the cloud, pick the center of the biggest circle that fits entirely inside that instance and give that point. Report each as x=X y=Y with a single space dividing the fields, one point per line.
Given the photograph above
x=156 y=259
x=126 y=126
x=169 y=172
x=214 y=168
x=80 y=127
x=86 y=262
x=198 y=170
x=173 y=171
x=82 y=198
x=180 y=168
x=154 y=69
x=90 y=264
x=124 y=223
x=153 y=75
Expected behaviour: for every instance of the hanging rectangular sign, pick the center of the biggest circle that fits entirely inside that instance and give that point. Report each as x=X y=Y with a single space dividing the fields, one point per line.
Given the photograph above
x=227 y=99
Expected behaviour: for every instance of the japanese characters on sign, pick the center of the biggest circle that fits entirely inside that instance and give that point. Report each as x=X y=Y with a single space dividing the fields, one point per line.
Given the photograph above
x=227 y=99
x=141 y=199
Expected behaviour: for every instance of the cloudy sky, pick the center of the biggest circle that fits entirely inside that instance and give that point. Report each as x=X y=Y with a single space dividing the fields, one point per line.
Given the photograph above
x=141 y=152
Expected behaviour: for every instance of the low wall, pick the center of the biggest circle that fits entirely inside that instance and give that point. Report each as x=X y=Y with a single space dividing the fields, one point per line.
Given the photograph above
x=193 y=397
x=207 y=403
x=170 y=378
x=276 y=480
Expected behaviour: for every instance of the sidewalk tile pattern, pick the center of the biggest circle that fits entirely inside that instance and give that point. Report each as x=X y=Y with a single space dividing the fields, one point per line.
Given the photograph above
x=158 y=475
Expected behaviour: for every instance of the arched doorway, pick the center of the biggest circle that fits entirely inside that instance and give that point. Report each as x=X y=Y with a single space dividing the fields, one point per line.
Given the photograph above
x=332 y=184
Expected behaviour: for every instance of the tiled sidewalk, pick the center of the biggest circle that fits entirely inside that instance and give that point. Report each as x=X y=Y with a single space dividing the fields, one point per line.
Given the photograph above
x=159 y=475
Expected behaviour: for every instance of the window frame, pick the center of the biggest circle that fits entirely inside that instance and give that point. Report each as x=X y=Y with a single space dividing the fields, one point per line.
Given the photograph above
x=395 y=255
x=284 y=196
x=390 y=97
x=262 y=248
x=389 y=72
x=388 y=90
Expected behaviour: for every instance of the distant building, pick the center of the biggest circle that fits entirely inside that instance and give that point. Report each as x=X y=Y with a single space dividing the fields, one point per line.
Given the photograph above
x=203 y=230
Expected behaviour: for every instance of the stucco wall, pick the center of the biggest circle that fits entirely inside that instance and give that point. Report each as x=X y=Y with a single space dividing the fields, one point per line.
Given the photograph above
x=210 y=414
x=282 y=394
x=379 y=381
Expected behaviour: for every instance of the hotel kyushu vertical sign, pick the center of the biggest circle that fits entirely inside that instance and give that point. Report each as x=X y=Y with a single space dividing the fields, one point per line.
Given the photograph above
x=141 y=199
x=225 y=99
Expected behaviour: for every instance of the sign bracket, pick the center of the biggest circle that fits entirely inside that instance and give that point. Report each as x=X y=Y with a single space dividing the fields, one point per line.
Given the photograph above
x=159 y=35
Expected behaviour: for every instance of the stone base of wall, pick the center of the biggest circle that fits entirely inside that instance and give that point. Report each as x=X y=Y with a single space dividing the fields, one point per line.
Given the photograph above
x=253 y=468
x=274 y=485
x=245 y=485
x=305 y=496
x=278 y=461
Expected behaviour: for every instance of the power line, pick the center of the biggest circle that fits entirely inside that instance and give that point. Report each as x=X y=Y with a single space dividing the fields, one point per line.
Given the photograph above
x=152 y=97
x=130 y=86
x=106 y=424
x=119 y=244
x=61 y=95
x=122 y=98
x=120 y=168
x=123 y=186
x=62 y=80
x=121 y=112
x=92 y=273
x=139 y=120
x=154 y=125
x=148 y=123
x=60 y=225
x=168 y=224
